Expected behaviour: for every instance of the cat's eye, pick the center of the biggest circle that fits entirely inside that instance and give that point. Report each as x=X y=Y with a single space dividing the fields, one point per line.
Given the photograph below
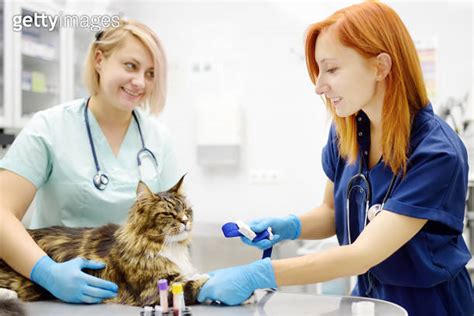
x=166 y=215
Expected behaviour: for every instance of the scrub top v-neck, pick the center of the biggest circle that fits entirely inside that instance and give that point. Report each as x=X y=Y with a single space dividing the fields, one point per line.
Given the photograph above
x=53 y=152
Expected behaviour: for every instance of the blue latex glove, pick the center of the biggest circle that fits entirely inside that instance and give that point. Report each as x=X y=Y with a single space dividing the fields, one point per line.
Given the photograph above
x=288 y=227
x=69 y=283
x=232 y=286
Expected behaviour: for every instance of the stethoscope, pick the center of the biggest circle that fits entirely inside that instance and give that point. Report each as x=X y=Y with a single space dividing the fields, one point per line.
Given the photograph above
x=370 y=212
x=101 y=179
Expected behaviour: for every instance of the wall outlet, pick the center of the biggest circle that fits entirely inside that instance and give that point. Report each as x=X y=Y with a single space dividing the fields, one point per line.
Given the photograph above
x=264 y=176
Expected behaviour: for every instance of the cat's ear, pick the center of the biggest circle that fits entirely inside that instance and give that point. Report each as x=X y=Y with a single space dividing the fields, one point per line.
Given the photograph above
x=178 y=186
x=143 y=191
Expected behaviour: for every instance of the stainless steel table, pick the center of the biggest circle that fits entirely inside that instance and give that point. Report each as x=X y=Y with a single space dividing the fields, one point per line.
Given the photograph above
x=267 y=304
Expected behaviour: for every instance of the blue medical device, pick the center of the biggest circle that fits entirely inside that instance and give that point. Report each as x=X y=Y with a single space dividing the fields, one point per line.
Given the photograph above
x=232 y=229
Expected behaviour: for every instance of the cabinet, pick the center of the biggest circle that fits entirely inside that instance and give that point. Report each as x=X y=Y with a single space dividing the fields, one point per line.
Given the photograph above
x=5 y=65
x=81 y=40
x=37 y=66
x=2 y=61
x=41 y=65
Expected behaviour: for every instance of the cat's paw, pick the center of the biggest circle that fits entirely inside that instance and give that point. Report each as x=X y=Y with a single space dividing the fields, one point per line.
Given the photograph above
x=192 y=287
x=199 y=279
x=113 y=300
x=7 y=294
x=10 y=304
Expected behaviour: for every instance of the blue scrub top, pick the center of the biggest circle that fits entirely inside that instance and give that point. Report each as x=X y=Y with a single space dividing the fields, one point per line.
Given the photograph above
x=427 y=275
x=53 y=152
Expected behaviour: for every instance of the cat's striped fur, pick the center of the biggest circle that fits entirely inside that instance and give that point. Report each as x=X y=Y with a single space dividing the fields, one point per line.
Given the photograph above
x=136 y=254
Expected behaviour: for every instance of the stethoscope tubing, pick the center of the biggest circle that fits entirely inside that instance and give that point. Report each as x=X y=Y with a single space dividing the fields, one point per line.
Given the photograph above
x=368 y=191
x=100 y=179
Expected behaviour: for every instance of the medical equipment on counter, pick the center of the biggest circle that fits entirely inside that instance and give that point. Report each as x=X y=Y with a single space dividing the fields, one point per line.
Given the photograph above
x=370 y=212
x=163 y=290
x=101 y=179
x=148 y=310
x=239 y=228
x=179 y=307
x=158 y=311
x=363 y=309
x=178 y=298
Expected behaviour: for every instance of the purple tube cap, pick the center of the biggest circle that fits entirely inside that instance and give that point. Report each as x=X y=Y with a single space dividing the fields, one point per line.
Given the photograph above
x=163 y=285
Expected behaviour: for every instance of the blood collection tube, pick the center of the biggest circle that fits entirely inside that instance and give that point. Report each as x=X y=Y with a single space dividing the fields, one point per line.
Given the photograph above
x=163 y=288
x=178 y=299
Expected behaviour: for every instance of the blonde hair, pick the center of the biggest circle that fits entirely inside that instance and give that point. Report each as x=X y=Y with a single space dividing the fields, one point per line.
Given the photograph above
x=111 y=38
x=372 y=28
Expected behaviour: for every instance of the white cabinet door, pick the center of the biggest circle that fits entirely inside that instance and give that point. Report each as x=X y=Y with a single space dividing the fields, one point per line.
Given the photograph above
x=6 y=67
x=38 y=63
x=82 y=38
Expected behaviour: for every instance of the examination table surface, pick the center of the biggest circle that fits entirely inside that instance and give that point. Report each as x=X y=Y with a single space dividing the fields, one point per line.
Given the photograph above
x=268 y=303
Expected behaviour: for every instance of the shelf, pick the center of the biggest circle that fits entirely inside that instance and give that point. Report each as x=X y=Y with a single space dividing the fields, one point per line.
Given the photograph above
x=37 y=59
x=40 y=93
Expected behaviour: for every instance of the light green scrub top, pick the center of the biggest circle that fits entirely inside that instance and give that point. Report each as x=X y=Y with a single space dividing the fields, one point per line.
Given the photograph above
x=53 y=152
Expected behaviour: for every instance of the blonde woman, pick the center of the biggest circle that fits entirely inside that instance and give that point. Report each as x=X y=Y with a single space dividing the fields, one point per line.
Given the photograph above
x=396 y=178
x=81 y=159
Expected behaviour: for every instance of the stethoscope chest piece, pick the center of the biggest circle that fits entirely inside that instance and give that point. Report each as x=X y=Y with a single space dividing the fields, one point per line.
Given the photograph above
x=100 y=180
x=373 y=211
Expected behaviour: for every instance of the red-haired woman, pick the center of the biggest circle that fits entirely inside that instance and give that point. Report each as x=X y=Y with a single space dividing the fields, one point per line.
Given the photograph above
x=397 y=178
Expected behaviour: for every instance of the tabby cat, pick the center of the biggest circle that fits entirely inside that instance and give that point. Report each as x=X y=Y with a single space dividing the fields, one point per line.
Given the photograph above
x=151 y=245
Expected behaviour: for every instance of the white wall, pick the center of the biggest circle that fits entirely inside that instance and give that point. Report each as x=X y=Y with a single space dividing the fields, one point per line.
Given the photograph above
x=256 y=55
x=450 y=23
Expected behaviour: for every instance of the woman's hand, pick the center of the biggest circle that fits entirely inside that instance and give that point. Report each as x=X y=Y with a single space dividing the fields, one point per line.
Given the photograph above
x=232 y=286
x=288 y=227
x=69 y=283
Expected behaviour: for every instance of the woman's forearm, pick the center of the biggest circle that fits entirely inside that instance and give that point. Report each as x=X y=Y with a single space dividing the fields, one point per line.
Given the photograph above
x=17 y=248
x=318 y=223
x=379 y=240
x=333 y=263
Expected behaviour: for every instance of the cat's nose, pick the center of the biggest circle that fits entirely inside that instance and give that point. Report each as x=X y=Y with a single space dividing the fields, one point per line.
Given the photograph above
x=186 y=223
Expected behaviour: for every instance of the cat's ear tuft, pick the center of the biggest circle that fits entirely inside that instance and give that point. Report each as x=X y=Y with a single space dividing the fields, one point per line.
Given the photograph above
x=143 y=191
x=178 y=186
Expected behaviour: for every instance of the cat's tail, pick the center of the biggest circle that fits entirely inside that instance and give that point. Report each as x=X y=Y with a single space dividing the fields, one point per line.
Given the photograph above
x=10 y=305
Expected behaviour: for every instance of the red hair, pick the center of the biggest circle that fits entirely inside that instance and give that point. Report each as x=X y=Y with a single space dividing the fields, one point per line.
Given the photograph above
x=372 y=28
